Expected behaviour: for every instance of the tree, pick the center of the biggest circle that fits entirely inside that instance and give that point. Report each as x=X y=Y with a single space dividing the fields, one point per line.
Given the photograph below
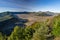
x=30 y=30
x=17 y=34
x=41 y=33
x=38 y=29
x=2 y=37
x=56 y=26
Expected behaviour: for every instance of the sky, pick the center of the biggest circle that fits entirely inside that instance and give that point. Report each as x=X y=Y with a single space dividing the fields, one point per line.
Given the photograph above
x=30 y=5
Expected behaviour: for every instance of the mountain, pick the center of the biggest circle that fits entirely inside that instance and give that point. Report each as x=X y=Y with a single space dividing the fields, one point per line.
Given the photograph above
x=47 y=13
x=50 y=13
x=8 y=21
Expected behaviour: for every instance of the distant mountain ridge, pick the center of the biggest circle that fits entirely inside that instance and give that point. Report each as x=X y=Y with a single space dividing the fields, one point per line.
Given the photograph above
x=47 y=13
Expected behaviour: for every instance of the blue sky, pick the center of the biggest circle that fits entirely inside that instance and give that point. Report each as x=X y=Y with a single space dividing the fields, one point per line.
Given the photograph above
x=30 y=5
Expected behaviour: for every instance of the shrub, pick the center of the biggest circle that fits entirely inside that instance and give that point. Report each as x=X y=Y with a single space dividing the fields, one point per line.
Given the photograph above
x=17 y=34
x=41 y=33
x=2 y=37
x=56 y=26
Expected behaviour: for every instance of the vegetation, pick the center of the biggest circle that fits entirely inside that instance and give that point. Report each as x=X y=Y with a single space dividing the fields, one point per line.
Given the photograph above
x=17 y=34
x=2 y=37
x=36 y=31
x=56 y=26
x=41 y=33
x=29 y=33
x=20 y=33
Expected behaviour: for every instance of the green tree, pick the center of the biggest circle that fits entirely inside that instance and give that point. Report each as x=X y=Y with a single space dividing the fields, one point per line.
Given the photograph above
x=2 y=37
x=26 y=33
x=56 y=26
x=31 y=29
x=41 y=33
x=17 y=34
